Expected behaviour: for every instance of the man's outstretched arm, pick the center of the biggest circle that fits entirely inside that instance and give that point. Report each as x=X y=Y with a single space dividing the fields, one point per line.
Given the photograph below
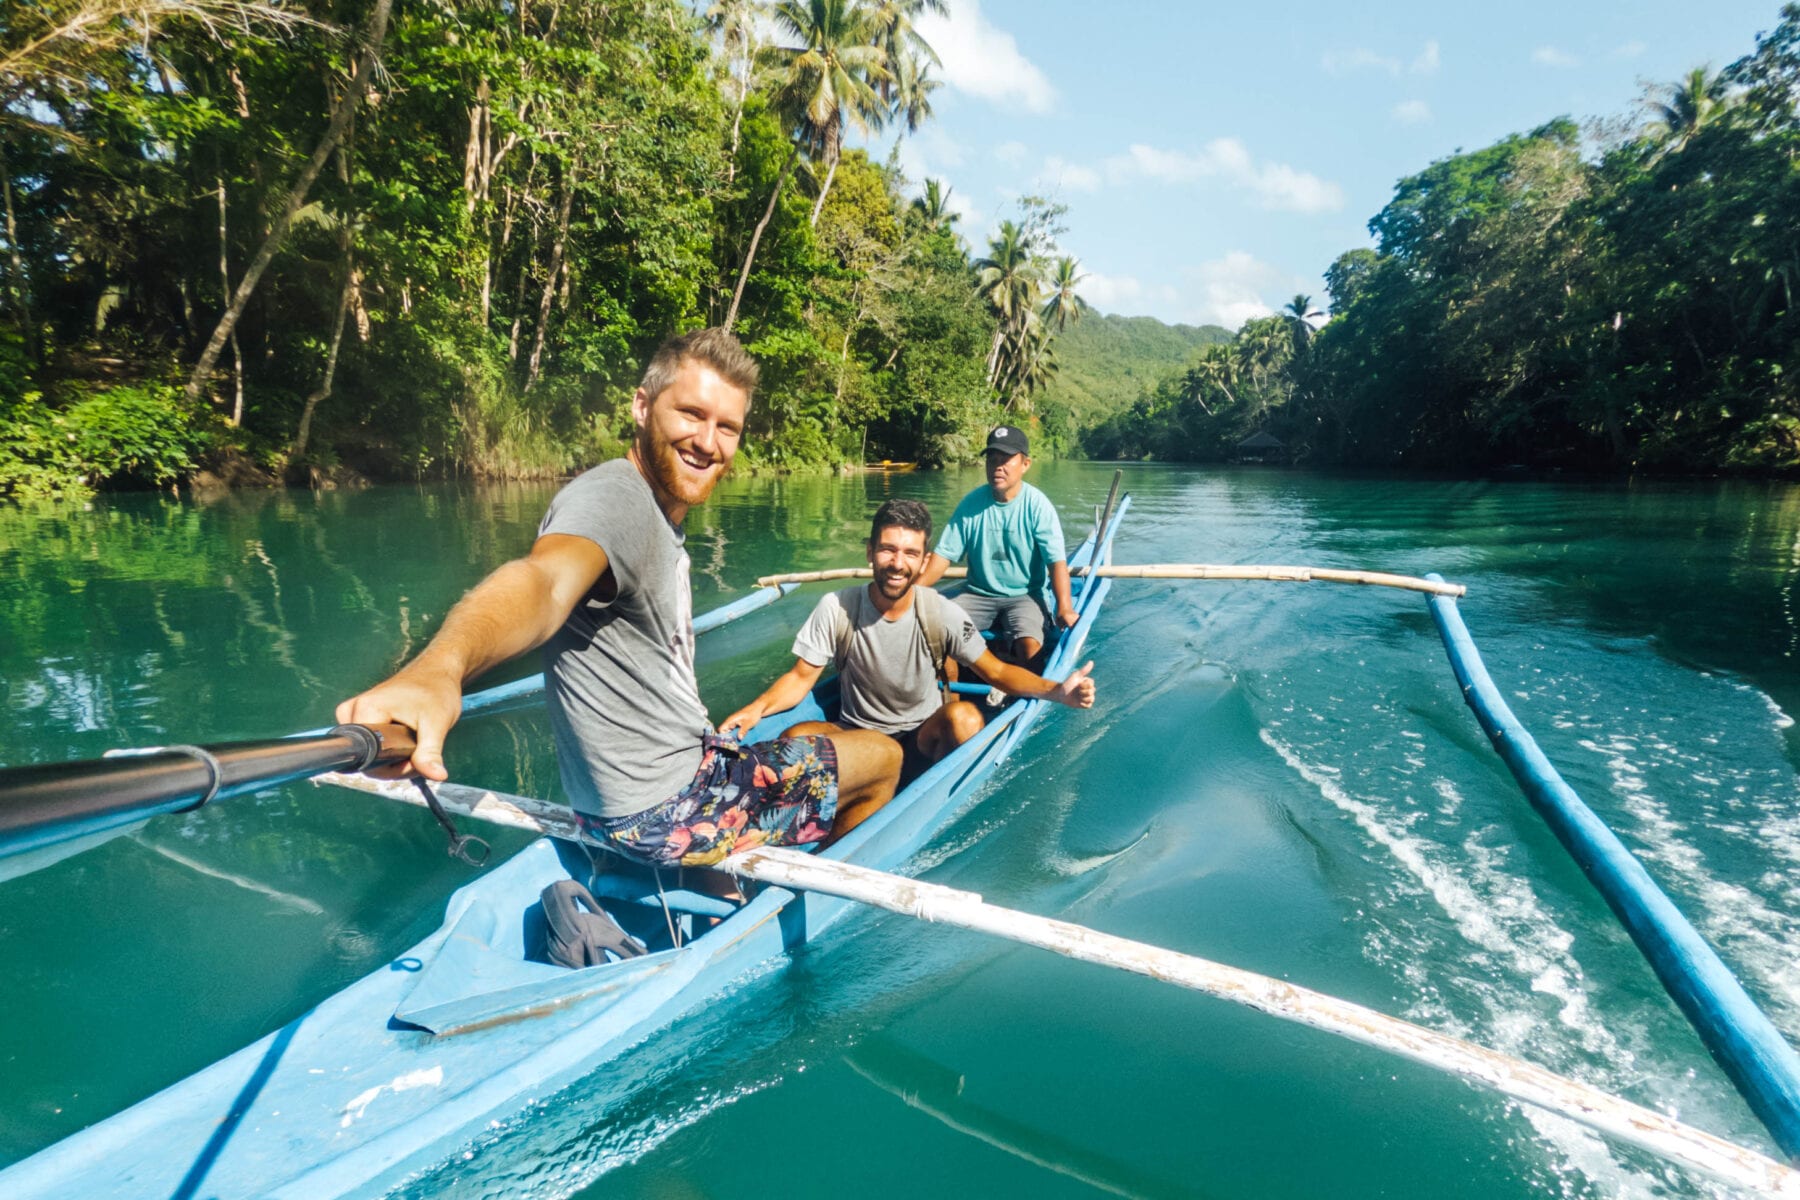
x=781 y=695
x=1077 y=691
x=518 y=607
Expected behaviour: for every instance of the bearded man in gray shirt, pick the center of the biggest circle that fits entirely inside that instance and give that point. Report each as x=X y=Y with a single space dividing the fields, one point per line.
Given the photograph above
x=881 y=637
x=605 y=591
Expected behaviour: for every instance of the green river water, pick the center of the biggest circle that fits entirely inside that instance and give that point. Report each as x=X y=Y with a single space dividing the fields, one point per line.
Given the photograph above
x=1280 y=776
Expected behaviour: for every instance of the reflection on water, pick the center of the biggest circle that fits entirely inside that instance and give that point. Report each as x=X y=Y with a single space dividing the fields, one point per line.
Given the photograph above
x=1280 y=776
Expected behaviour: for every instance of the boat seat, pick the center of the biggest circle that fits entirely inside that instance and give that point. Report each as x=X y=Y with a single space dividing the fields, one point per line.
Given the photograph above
x=637 y=889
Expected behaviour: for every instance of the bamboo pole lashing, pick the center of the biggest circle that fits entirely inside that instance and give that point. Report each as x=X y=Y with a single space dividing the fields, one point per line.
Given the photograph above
x=1590 y=1106
x=1212 y=571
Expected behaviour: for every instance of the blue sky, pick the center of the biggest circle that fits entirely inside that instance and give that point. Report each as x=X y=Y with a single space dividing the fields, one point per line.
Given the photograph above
x=1216 y=157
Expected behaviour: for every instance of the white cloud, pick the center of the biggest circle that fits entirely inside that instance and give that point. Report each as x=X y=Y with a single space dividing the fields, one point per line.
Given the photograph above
x=931 y=152
x=1059 y=173
x=1411 y=112
x=1010 y=153
x=1630 y=50
x=1276 y=185
x=1342 y=62
x=1361 y=58
x=1554 y=56
x=984 y=61
x=1111 y=293
x=1229 y=291
x=969 y=217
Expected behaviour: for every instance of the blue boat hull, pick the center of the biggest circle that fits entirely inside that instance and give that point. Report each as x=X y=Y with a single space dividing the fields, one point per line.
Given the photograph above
x=348 y=1100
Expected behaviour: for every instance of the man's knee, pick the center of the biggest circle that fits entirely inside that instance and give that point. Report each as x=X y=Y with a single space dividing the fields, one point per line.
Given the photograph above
x=964 y=721
x=811 y=729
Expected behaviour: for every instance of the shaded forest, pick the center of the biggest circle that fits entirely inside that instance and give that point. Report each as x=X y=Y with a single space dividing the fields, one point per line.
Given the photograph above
x=327 y=240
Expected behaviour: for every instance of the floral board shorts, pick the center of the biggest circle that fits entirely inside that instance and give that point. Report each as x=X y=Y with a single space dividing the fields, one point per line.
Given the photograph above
x=776 y=793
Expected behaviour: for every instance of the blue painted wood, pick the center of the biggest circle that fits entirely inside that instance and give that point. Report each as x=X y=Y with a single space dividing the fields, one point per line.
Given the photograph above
x=1741 y=1038
x=346 y=1100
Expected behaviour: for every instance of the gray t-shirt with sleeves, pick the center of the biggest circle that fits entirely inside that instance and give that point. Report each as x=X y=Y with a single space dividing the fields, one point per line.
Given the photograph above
x=624 y=705
x=889 y=683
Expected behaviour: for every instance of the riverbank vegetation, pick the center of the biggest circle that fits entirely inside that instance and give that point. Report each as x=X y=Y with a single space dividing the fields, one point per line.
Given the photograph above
x=309 y=239
x=1619 y=301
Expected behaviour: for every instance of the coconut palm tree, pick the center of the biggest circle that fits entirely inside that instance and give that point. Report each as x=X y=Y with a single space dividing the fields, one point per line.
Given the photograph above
x=933 y=206
x=1008 y=280
x=899 y=40
x=1215 y=368
x=823 y=84
x=1683 y=108
x=1063 y=305
x=911 y=103
x=831 y=82
x=1299 y=315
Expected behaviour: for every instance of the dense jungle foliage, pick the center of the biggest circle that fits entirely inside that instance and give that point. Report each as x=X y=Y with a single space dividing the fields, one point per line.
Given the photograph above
x=291 y=239
x=1615 y=303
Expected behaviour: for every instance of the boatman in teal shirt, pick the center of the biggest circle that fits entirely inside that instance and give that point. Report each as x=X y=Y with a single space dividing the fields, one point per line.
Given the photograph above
x=1010 y=535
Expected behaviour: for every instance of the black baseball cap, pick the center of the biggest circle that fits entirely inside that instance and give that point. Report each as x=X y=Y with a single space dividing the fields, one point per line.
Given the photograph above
x=1010 y=439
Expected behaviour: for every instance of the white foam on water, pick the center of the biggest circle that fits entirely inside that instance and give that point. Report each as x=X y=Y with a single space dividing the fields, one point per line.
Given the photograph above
x=1757 y=936
x=1503 y=918
x=1513 y=936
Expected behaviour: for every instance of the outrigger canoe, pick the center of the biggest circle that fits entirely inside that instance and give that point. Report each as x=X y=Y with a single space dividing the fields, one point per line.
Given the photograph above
x=403 y=1069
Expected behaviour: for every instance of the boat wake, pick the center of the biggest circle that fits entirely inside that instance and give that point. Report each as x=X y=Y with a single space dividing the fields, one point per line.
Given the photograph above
x=1466 y=979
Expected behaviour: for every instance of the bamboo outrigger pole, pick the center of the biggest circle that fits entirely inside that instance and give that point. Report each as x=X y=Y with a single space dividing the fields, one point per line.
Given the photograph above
x=1598 y=1110
x=1182 y=571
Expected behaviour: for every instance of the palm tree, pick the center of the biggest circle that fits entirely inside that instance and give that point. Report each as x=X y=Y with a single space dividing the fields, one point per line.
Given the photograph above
x=1007 y=279
x=1064 y=305
x=1299 y=315
x=1216 y=368
x=912 y=91
x=933 y=207
x=900 y=42
x=830 y=82
x=822 y=84
x=1685 y=107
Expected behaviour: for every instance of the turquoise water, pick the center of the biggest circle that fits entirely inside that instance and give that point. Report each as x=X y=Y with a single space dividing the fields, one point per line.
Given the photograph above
x=1279 y=776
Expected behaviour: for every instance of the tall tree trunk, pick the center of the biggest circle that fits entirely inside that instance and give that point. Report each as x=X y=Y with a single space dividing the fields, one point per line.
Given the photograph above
x=819 y=204
x=737 y=295
x=340 y=120
x=323 y=391
x=346 y=251
x=21 y=295
x=237 y=353
x=556 y=265
x=512 y=341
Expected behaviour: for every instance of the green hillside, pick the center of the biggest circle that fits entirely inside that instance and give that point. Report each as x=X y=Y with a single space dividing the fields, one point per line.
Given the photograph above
x=1104 y=361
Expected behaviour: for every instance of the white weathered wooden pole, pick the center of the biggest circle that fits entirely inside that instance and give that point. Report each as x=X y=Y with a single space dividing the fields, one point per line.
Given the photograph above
x=1621 y=1119
x=480 y=804
x=1183 y=571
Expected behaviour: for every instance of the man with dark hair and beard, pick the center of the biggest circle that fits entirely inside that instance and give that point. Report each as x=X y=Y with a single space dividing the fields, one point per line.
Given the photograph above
x=605 y=591
x=889 y=640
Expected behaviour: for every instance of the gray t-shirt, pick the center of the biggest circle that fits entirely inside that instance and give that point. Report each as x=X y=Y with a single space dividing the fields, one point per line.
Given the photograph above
x=889 y=684
x=624 y=704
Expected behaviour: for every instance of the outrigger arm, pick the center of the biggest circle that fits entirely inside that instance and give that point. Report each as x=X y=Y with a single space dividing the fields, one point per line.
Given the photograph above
x=1618 y=1118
